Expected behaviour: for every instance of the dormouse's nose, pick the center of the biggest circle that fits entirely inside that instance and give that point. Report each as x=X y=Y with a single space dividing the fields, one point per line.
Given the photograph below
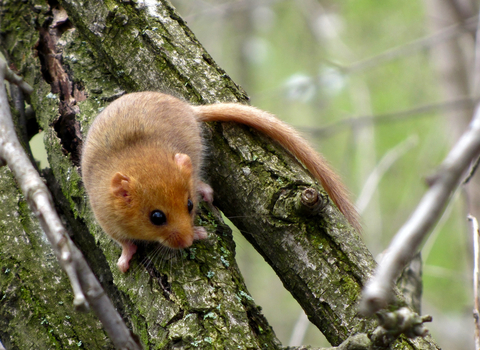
x=180 y=239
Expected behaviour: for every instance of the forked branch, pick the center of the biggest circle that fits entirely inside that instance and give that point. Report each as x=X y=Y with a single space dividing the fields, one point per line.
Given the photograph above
x=379 y=290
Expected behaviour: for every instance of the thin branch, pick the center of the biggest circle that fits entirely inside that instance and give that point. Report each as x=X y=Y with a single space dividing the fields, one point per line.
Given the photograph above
x=476 y=276
x=376 y=175
x=355 y=122
x=432 y=238
x=86 y=288
x=299 y=330
x=378 y=291
x=476 y=64
x=391 y=326
x=17 y=80
x=473 y=170
x=414 y=46
x=227 y=8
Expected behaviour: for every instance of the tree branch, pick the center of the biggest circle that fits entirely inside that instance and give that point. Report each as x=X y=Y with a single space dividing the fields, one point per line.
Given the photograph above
x=378 y=291
x=376 y=175
x=17 y=80
x=414 y=46
x=367 y=120
x=476 y=279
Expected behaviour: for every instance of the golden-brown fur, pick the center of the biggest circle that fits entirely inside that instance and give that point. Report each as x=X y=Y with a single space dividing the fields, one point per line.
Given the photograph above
x=144 y=153
x=138 y=136
x=292 y=141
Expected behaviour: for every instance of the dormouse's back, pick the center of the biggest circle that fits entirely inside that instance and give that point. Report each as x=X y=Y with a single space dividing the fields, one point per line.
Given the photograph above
x=145 y=119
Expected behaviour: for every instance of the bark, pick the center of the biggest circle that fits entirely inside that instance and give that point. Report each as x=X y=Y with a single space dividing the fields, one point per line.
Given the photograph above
x=79 y=56
x=36 y=301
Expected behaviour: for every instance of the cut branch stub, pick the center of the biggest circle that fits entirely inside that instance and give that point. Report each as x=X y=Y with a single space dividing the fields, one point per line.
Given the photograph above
x=311 y=201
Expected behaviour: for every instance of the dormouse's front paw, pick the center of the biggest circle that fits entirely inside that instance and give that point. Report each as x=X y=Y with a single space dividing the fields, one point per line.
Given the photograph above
x=199 y=233
x=128 y=249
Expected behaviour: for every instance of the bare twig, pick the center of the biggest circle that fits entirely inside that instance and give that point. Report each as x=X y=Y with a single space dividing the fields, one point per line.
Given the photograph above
x=476 y=276
x=376 y=175
x=414 y=46
x=86 y=288
x=227 y=8
x=378 y=291
x=476 y=68
x=367 y=120
x=15 y=79
x=432 y=238
x=391 y=326
x=300 y=329
x=473 y=170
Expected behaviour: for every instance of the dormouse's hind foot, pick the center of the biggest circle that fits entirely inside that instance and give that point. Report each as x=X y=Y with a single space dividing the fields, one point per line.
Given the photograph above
x=206 y=191
x=128 y=249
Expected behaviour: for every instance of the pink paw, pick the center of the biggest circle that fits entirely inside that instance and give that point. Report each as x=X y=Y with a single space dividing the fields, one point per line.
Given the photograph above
x=128 y=249
x=199 y=233
x=206 y=191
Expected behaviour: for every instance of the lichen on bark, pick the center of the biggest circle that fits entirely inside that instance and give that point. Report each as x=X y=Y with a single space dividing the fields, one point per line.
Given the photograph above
x=36 y=300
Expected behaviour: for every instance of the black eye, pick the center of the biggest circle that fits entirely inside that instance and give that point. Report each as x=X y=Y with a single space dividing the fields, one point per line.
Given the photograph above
x=189 y=205
x=158 y=218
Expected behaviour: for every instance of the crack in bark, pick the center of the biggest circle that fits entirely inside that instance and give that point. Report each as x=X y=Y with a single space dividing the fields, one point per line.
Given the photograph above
x=256 y=320
x=61 y=82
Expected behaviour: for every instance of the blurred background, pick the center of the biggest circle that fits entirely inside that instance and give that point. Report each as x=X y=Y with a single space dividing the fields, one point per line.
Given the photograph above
x=382 y=89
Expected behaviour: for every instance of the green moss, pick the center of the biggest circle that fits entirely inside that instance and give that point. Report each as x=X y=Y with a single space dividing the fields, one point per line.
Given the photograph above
x=33 y=283
x=66 y=173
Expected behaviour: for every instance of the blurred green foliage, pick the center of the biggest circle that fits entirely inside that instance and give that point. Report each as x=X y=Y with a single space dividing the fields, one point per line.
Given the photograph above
x=38 y=150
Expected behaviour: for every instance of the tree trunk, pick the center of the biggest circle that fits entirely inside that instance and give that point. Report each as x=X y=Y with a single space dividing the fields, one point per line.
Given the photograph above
x=81 y=55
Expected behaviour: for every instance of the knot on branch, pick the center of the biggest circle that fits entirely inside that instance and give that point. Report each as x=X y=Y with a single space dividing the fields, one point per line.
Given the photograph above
x=402 y=321
x=311 y=202
x=34 y=189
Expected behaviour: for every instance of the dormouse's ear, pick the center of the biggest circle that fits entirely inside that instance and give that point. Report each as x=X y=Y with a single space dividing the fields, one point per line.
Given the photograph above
x=120 y=186
x=183 y=161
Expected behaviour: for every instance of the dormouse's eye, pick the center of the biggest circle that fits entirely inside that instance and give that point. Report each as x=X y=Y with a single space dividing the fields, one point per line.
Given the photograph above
x=158 y=218
x=190 y=205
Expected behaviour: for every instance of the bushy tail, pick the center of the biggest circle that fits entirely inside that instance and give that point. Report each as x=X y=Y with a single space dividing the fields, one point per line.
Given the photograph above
x=290 y=139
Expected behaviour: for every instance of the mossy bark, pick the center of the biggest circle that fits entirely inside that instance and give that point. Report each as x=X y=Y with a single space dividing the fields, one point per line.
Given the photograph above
x=79 y=56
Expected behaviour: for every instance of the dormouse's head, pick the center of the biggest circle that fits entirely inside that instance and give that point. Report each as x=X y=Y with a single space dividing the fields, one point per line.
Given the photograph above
x=155 y=200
